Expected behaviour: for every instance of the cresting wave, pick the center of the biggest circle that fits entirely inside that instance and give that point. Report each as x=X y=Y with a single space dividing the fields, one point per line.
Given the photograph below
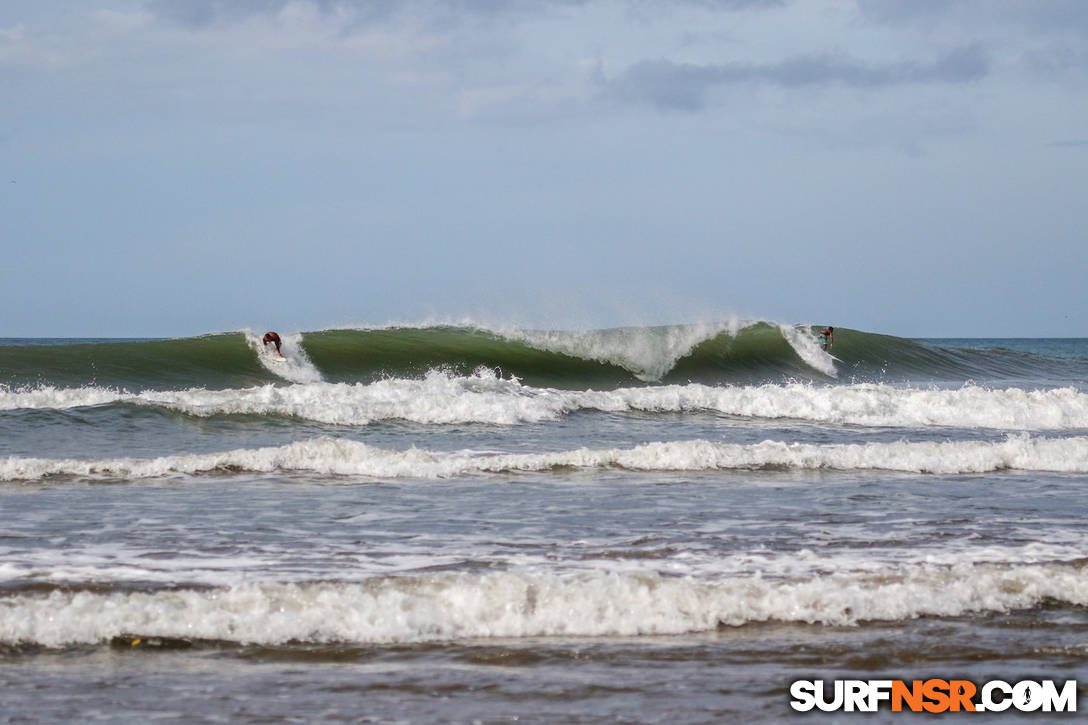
x=440 y=398
x=451 y=606
x=711 y=353
x=571 y=359
x=339 y=457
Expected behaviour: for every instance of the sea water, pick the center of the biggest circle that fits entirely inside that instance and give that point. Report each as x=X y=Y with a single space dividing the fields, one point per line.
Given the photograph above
x=456 y=524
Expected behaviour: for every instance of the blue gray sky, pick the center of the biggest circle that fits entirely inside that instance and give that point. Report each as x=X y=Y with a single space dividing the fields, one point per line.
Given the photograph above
x=911 y=167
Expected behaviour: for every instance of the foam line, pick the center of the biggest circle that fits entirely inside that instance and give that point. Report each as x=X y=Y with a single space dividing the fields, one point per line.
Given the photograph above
x=514 y=604
x=440 y=398
x=339 y=457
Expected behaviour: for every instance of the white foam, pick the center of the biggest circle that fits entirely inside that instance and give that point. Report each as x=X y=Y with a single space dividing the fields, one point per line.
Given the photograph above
x=514 y=604
x=295 y=367
x=646 y=352
x=808 y=348
x=48 y=396
x=876 y=405
x=440 y=398
x=338 y=457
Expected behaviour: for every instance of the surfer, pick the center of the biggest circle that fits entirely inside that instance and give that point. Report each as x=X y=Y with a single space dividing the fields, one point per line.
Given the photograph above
x=827 y=337
x=273 y=338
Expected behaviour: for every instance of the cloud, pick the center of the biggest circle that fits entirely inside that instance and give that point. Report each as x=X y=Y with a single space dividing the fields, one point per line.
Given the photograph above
x=198 y=14
x=683 y=86
x=1037 y=15
x=1042 y=37
x=195 y=14
x=728 y=5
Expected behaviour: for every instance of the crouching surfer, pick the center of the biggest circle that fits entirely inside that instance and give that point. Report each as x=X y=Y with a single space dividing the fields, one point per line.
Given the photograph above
x=827 y=337
x=274 y=338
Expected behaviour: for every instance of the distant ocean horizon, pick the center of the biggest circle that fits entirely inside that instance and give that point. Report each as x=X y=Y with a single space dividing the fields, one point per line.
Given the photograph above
x=457 y=523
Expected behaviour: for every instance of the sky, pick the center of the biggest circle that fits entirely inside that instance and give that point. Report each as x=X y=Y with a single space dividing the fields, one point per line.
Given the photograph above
x=909 y=167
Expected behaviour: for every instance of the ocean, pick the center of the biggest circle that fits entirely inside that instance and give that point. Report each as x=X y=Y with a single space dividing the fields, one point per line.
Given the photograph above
x=460 y=524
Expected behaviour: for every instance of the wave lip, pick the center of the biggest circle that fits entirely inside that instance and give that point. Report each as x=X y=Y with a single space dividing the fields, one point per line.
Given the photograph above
x=340 y=457
x=452 y=606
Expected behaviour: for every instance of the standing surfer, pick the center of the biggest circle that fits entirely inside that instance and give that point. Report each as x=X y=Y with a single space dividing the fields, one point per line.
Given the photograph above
x=273 y=338
x=827 y=337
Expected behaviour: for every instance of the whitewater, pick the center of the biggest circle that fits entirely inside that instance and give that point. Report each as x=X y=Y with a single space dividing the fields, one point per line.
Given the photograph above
x=440 y=398
x=448 y=519
x=334 y=457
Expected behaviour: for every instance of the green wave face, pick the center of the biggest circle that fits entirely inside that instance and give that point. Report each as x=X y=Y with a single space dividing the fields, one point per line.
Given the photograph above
x=223 y=360
x=364 y=355
x=758 y=353
x=869 y=356
x=599 y=359
x=713 y=354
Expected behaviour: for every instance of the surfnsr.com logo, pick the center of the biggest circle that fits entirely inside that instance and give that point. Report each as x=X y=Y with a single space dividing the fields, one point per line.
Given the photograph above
x=933 y=695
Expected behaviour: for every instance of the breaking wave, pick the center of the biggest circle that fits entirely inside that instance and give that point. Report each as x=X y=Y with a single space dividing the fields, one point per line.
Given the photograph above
x=450 y=606
x=711 y=353
x=485 y=398
x=340 y=457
